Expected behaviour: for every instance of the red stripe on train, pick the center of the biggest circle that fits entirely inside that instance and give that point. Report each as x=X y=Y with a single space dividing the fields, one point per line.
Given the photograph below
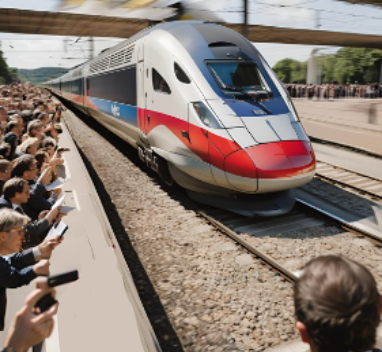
x=269 y=160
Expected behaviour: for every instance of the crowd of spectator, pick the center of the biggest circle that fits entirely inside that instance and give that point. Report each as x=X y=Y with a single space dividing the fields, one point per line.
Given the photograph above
x=30 y=161
x=335 y=91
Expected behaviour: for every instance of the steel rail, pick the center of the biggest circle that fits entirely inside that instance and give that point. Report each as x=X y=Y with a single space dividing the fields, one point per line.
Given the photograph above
x=344 y=184
x=359 y=228
x=291 y=277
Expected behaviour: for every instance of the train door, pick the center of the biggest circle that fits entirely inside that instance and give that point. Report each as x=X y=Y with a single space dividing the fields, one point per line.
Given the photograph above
x=142 y=86
x=152 y=99
x=145 y=114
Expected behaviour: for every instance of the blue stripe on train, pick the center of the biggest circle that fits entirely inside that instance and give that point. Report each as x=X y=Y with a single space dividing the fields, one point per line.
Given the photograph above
x=126 y=113
x=249 y=107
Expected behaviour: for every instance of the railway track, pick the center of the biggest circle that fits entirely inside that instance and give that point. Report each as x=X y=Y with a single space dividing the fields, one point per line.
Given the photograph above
x=346 y=147
x=305 y=215
x=363 y=184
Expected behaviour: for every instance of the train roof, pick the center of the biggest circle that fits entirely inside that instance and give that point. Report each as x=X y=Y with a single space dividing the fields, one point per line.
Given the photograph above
x=195 y=36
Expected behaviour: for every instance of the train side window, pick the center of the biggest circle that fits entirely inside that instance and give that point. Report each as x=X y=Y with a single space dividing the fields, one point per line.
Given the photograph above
x=159 y=83
x=180 y=74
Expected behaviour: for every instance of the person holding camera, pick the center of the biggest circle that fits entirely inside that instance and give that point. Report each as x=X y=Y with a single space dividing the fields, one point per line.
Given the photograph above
x=54 y=127
x=19 y=268
x=26 y=168
x=16 y=194
x=34 y=322
x=30 y=327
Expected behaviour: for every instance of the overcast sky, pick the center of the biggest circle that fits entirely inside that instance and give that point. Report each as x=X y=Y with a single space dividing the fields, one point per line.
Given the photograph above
x=32 y=51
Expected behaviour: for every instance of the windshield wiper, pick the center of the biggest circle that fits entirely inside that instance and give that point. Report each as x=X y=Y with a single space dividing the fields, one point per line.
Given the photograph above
x=254 y=97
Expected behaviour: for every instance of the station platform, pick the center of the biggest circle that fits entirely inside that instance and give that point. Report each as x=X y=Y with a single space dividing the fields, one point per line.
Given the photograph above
x=353 y=122
x=101 y=311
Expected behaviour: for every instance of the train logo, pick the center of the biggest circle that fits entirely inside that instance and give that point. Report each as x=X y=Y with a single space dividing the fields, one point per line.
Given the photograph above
x=115 y=110
x=259 y=112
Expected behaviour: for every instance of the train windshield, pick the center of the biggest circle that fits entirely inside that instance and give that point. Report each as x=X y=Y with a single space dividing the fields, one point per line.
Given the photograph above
x=239 y=78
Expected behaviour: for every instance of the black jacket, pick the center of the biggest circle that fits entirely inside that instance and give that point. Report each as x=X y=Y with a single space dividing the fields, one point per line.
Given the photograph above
x=34 y=229
x=37 y=201
x=15 y=270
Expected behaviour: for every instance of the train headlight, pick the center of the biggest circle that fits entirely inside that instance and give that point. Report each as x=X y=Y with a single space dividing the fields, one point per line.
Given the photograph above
x=206 y=116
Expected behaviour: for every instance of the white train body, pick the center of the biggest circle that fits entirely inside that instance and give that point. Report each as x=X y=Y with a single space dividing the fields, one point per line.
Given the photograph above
x=204 y=109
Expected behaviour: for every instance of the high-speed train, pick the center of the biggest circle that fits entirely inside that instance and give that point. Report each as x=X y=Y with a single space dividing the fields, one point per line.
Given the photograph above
x=204 y=110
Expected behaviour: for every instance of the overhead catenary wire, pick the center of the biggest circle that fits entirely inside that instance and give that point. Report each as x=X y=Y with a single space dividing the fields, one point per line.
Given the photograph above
x=319 y=9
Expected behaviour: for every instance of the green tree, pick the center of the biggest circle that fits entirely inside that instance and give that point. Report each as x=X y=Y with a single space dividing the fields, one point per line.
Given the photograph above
x=6 y=74
x=299 y=70
x=346 y=66
x=327 y=64
x=290 y=71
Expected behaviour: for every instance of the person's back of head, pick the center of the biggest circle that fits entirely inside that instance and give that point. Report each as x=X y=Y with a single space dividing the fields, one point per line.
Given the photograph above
x=21 y=164
x=337 y=305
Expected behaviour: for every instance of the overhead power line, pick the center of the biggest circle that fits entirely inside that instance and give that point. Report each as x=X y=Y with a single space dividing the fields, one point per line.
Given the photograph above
x=43 y=51
x=59 y=39
x=323 y=10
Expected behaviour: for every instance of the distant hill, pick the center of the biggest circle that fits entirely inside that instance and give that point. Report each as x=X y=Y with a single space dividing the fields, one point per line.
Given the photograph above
x=42 y=74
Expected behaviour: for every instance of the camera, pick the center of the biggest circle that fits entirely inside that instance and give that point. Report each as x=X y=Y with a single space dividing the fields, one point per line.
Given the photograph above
x=48 y=300
x=62 y=149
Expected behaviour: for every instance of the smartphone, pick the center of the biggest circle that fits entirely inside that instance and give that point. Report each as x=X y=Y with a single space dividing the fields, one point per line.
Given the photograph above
x=64 y=230
x=47 y=301
x=56 y=224
x=61 y=279
x=61 y=149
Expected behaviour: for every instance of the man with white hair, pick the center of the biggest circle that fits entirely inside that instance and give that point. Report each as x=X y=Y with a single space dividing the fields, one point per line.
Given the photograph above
x=19 y=268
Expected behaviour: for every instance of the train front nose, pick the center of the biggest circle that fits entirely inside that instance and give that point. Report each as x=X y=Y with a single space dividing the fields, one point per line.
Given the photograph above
x=271 y=167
